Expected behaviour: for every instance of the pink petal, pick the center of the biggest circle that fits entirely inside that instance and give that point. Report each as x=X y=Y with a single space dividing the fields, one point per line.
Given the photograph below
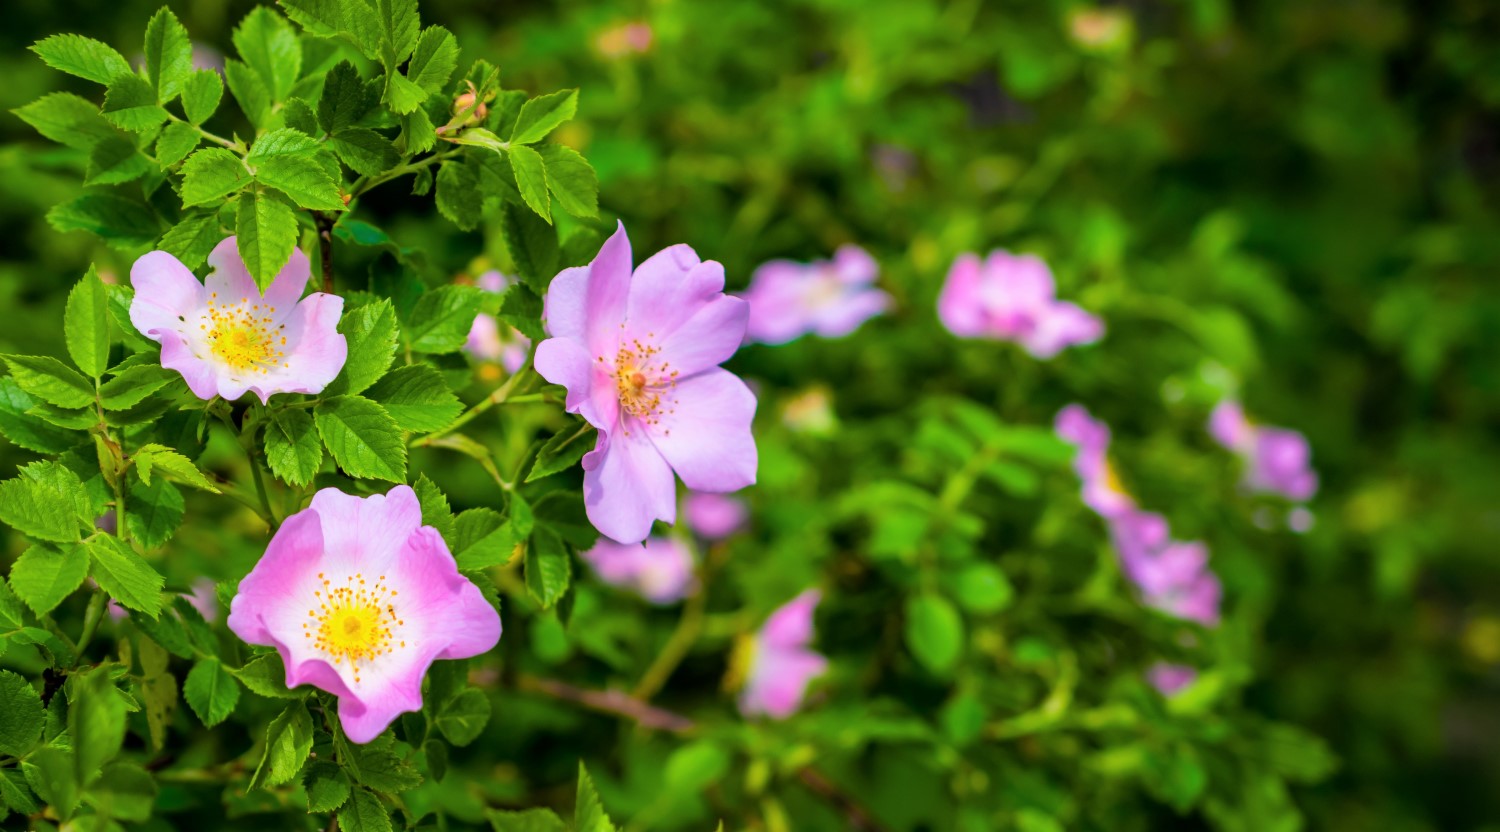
x=453 y=611
x=714 y=516
x=318 y=354
x=165 y=293
x=200 y=376
x=668 y=289
x=366 y=534
x=1024 y=278
x=706 y=436
x=563 y=308
x=960 y=306
x=1227 y=425
x=779 y=682
x=591 y=393
x=607 y=294
x=791 y=625
x=850 y=313
x=708 y=338
x=290 y=563
x=778 y=307
x=628 y=487
x=855 y=265
x=232 y=281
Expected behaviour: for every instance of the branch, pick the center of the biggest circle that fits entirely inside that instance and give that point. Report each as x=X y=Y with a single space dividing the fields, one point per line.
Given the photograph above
x=325 y=222
x=615 y=702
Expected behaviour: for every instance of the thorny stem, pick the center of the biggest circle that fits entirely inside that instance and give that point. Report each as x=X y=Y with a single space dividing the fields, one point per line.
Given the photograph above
x=615 y=702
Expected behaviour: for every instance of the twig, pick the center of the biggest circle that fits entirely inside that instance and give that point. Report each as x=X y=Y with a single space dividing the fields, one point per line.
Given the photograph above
x=325 y=222
x=616 y=702
x=689 y=627
x=858 y=817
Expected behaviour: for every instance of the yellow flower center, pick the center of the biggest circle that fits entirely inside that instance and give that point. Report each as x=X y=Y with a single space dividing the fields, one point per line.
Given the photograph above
x=354 y=622
x=242 y=336
x=642 y=386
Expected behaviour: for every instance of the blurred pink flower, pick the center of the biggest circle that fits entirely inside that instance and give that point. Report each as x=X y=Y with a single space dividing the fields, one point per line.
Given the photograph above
x=714 y=516
x=1170 y=679
x=226 y=337
x=491 y=341
x=1010 y=297
x=1278 y=460
x=661 y=571
x=830 y=298
x=783 y=666
x=205 y=599
x=359 y=598
x=639 y=355
x=1102 y=490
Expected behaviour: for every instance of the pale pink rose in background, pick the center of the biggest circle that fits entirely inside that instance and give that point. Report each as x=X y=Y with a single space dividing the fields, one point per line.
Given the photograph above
x=1170 y=679
x=1277 y=460
x=1009 y=297
x=225 y=337
x=714 y=516
x=830 y=298
x=661 y=571
x=783 y=666
x=359 y=598
x=639 y=354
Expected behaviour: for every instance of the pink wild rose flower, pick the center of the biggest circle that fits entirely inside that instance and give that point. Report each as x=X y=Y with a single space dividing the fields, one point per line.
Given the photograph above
x=783 y=666
x=1278 y=460
x=1170 y=679
x=714 y=516
x=830 y=298
x=225 y=337
x=491 y=341
x=639 y=354
x=661 y=571
x=359 y=598
x=1008 y=297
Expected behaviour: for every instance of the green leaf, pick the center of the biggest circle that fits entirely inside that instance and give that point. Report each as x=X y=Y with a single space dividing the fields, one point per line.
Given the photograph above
x=250 y=91
x=293 y=449
x=118 y=220
x=371 y=333
x=402 y=95
x=327 y=787
x=345 y=99
x=15 y=792
x=299 y=116
x=435 y=510
x=482 y=538
x=694 y=767
x=125 y=575
x=267 y=232
x=458 y=196
x=191 y=240
x=67 y=119
x=130 y=104
x=124 y=791
x=266 y=675
x=542 y=115
x=289 y=740
x=417 y=398
x=982 y=588
x=211 y=692
x=211 y=174
x=152 y=456
x=588 y=814
x=521 y=308
x=562 y=451
x=531 y=179
x=548 y=568
x=28 y=431
x=169 y=55
x=267 y=43
x=365 y=152
x=364 y=812
x=201 y=95
x=398 y=24
x=290 y=162
x=934 y=632
x=418 y=135
x=133 y=385
x=571 y=179
x=155 y=512
x=176 y=142
x=434 y=60
x=50 y=380
x=526 y=820
x=532 y=244
x=338 y=18
x=441 y=320
x=116 y=160
x=43 y=576
x=86 y=324
x=378 y=766
x=363 y=439
x=46 y=500
x=21 y=715
x=52 y=774
x=84 y=57
x=96 y=723
x=462 y=718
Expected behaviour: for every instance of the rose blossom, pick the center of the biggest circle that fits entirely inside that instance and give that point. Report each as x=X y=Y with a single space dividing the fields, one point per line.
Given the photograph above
x=1279 y=460
x=661 y=571
x=226 y=337
x=1011 y=297
x=830 y=298
x=491 y=341
x=714 y=516
x=639 y=355
x=359 y=598
x=782 y=666
x=1170 y=679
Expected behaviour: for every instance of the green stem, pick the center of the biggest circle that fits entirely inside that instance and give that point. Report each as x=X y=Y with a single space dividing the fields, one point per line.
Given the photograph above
x=682 y=640
x=219 y=140
x=366 y=183
x=500 y=396
x=260 y=489
x=91 y=620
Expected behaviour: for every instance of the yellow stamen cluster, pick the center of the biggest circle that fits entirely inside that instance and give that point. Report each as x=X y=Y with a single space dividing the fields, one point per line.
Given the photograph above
x=242 y=335
x=643 y=387
x=354 y=622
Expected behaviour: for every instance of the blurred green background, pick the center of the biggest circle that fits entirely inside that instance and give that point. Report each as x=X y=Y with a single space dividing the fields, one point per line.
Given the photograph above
x=1296 y=201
